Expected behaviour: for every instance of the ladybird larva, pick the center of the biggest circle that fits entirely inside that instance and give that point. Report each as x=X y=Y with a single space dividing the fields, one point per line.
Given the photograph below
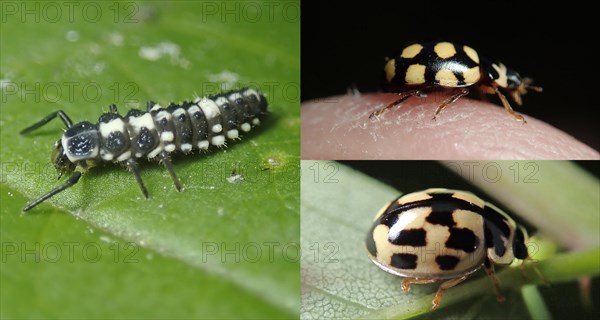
x=153 y=134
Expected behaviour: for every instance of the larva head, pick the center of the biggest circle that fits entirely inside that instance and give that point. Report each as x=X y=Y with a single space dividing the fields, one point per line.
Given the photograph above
x=60 y=160
x=79 y=143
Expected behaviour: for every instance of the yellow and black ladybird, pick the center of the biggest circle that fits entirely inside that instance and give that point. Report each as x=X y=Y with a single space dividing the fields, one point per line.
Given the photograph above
x=443 y=235
x=424 y=66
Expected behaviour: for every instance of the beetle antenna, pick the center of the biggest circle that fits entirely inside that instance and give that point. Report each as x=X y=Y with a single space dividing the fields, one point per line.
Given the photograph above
x=527 y=84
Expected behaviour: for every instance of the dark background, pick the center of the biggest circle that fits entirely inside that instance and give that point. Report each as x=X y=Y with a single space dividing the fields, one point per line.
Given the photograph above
x=344 y=45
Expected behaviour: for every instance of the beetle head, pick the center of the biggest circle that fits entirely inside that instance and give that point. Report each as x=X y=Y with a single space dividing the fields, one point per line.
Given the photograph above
x=518 y=86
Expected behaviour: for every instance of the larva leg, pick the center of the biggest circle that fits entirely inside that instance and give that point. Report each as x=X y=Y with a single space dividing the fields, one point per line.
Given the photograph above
x=133 y=166
x=69 y=183
x=63 y=116
x=167 y=162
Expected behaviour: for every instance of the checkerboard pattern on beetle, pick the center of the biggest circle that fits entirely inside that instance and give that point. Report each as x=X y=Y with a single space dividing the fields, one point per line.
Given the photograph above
x=426 y=66
x=443 y=235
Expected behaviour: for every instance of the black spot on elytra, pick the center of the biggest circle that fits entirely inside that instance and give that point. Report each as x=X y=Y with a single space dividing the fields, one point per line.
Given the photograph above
x=410 y=237
x=404 y=261
x=446 y=262
x=496 y=225
x=388 y=218
x=460 y=77
x=462 y=239
x=370 y=242
x=432 y=61
x=443 y=218
x=442 y=205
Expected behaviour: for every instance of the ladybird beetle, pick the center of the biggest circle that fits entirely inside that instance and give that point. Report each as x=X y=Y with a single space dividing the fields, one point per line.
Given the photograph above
x=153 y=134
x=443 y=235
x=422 y=67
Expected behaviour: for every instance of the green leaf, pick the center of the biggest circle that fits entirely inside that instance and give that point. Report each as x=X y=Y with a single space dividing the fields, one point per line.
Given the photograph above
x=54 y=266
x=221 y=247
x=339 y=281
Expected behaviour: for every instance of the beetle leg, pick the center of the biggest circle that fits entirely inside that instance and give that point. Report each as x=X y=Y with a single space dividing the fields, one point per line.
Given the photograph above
x=445 y=286
x=63 y=116
x=402 y=97
x=507 y=106
x=407 y=281
x=463 y=92
x=489 y=269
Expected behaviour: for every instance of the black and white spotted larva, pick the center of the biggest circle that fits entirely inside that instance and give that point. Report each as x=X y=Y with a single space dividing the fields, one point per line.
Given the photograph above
x=152 y=134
